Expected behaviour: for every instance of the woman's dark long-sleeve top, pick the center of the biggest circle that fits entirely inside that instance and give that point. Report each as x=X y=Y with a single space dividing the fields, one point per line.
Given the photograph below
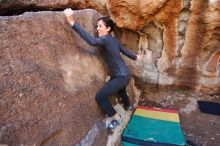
x=112 y=47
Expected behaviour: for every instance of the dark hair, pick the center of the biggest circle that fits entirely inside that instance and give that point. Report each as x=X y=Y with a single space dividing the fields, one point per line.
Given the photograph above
x=107 y=22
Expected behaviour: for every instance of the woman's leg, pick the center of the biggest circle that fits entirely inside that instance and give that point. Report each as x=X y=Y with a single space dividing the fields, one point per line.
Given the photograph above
x=124 y=97
x=110 y=88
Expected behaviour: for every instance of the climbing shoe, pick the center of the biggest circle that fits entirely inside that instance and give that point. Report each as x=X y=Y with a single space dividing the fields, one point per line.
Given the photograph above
x=115 y=123
x=130 y=107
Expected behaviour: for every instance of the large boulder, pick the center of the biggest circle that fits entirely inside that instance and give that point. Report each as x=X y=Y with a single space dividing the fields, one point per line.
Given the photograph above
x=10 y=7
x=49 y=78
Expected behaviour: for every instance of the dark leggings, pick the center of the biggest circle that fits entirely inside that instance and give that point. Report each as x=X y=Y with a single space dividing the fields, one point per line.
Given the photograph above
x=114 y=85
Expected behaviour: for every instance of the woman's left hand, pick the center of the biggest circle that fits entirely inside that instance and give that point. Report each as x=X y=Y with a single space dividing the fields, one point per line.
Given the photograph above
x=139 y=57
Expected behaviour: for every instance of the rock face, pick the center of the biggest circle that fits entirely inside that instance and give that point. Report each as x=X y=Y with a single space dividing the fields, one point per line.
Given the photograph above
x=98 y=5
x=179 y=41
x=135 y=14
x=201 y=49
x=9 y=7
x=16 y=7
x=46 y=79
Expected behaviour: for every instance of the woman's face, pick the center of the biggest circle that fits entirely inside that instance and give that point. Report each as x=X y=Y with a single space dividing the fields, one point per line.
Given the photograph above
x=102 y=29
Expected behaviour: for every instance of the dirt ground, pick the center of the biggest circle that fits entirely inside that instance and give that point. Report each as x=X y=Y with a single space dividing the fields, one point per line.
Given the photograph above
x=200 y=129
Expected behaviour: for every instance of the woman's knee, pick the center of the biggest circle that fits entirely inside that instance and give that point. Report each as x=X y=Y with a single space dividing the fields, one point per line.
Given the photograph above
x=98 y=97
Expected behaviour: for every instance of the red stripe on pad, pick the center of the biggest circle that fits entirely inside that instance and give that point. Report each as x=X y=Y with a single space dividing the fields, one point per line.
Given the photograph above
x=157 y=109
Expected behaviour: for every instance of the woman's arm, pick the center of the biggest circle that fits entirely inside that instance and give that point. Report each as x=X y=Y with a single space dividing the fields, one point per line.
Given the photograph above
x=83 y=34
x=88 y=37
x=127 y=52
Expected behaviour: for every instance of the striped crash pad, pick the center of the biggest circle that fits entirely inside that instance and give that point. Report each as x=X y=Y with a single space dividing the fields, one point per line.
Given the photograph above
x=153 y=127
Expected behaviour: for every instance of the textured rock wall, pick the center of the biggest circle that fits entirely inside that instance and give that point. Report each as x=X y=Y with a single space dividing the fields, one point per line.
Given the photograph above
x=200 y=48
x=10 y=7
x=15 y=7
x=48 y=83
x=179 y=41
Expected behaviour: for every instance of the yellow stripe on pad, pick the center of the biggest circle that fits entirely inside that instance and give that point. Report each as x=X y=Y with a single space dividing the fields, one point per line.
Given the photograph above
x=173 y=117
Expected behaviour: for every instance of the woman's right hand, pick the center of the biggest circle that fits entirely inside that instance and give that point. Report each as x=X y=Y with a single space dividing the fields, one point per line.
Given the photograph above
x=69 y=15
